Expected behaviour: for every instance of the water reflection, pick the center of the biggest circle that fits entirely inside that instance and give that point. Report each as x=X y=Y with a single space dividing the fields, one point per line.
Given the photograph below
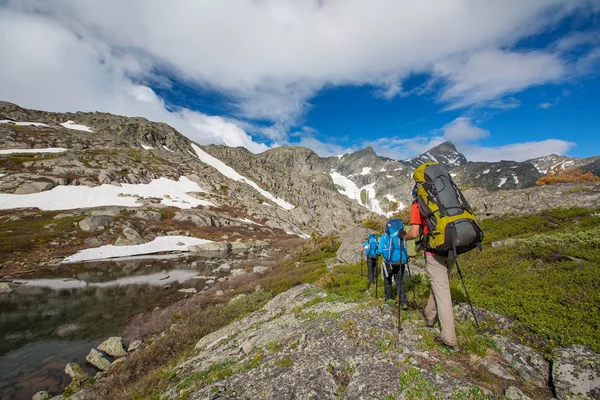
x=54 y=318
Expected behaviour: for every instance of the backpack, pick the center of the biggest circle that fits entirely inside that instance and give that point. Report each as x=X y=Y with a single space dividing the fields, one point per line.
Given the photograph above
x=371 y=250
x=393 y=249
x=453 y=229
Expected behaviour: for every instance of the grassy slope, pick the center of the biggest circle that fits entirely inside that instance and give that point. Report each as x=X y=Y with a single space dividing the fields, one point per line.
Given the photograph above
x=553 y=299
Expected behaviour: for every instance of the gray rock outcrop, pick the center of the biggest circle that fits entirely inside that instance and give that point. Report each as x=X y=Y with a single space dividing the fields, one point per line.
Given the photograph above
x=94 y=223
x=352 y=240
x=97 y=360
x=576 y=373
x=527 y=362
x=113 y=347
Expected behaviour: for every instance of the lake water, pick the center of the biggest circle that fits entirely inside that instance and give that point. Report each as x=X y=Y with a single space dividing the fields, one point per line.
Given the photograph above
x=55 y=318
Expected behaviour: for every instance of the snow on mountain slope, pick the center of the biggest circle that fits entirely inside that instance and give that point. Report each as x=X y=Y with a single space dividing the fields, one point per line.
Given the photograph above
x=25 y=151
x=77 y=127
x=171 y=193
x=6 y=121
x=234 y=175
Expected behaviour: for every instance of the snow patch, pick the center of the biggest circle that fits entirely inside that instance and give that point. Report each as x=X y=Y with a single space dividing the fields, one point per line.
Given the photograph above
x=302 y=235
x=147 y=147
x=487 y=171
x=382 y=170
x=502 y=182
x=389 y=176
x=391 y=198
x=366 y=170
x=499 y=169
x=158 y=245
x=230 y=173
x=249 y=221
x=515 y=178
x=266 y=204
x=23 y=151
x=172 y=193
x=1 y=175
x=77 y=127
x=168 y=149
x=349 y=188
x=6 y=121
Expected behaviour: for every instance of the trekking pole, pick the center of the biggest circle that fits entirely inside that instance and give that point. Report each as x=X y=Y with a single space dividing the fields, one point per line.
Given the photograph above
x=398 y=283
x=376 y=281
x=412 y=286
x=362 y=258
x=467 y=293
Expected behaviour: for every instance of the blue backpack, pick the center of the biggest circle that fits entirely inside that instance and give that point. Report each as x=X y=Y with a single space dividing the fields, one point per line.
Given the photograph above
x=391 y=245
x=371 y=250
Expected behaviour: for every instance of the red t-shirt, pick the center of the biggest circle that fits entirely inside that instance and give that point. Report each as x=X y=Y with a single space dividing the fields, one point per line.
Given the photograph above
x=417 y=219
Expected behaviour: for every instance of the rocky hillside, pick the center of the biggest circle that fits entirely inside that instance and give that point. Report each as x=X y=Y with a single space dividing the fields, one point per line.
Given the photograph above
x=497 y=175
x=547 y=163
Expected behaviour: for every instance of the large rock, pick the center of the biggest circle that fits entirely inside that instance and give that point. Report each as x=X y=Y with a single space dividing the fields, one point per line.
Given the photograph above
x=77 y=374
x=6 y=287
x=43 y=395
x=576 y=373
x=97 y=360
x=113 y=347
x=526 y=361
x=130 y=237
x=513 y=393
x=212 y=247
x=352 y=240
x=34 y=187
x=94 y=223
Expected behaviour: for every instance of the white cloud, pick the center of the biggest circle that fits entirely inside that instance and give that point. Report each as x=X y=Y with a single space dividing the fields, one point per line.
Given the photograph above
x=462 y=130
x=490 y=74
x=50 y=68
x=272 y=56
x=516 y=151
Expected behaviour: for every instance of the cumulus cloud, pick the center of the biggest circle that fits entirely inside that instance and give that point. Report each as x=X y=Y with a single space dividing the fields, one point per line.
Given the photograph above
x=517 y=151
x=467 y=137
x=271 y=57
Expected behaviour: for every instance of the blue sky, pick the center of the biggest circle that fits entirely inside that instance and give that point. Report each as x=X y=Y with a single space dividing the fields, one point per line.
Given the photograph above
x=502 y=79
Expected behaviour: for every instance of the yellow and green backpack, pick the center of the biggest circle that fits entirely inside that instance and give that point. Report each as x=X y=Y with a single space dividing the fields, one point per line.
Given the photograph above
x=453 y=229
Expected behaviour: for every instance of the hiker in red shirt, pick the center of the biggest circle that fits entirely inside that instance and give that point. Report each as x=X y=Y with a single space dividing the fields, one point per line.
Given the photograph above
x=438 y=268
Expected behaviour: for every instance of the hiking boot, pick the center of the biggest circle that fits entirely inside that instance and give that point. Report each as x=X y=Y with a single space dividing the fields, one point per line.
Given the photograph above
x=427 y=323
x=404 y=306
x=451 y=349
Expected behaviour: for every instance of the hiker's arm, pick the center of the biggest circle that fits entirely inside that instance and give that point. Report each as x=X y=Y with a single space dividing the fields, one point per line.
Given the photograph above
x=413 y=233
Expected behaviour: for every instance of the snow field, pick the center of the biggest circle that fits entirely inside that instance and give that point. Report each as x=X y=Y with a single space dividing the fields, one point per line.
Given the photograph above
x=77 y=127
x=173 y=193
x=230 y=173
x=6 y=121
x=27 y=151
x=158 y=245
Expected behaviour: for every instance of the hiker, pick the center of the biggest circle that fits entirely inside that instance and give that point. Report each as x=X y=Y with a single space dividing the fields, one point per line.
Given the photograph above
x=370 y=249
x=393 y=249
x=437 y=200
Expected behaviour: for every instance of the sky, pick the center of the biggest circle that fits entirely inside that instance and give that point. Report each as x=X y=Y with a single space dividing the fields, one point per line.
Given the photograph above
x=501 y=79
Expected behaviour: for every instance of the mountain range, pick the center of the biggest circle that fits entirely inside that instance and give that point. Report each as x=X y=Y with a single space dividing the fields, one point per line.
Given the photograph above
x=290 y=188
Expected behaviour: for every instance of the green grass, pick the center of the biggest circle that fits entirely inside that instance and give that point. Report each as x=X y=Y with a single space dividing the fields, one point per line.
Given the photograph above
x=413 y=386
x=363 y=196
x=548 y=282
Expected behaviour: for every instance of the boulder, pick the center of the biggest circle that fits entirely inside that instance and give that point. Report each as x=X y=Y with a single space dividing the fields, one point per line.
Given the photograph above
x=94 y=223
x=146 y=215
x=352 y=239
x=130 y=237
x=134 y=345
x=576 y=373
x=526 y=361
x=212 y=247
x=6 y=287
x=513 y=393
x=43 y=395
x=113 y=347
x=260 y=269
x=34 y=187
x=463 y=312
x=222 y=268
x=97 y=360
x=240 y=247
x=238 y=271
x=496 y=368
x=76 y=373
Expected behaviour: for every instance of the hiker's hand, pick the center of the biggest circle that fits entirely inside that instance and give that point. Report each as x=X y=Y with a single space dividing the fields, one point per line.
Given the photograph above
x=401 y=234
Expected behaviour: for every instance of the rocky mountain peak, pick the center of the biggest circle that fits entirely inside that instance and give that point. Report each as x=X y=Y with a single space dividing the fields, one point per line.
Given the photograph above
x=444 y=153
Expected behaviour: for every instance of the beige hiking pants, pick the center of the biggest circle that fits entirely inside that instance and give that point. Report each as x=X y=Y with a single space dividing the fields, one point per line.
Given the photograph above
x=440 y=302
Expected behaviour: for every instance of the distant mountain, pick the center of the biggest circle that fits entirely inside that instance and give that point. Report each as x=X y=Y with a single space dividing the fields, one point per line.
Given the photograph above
x=547 y=163
x=500 y=175
x=445 y=154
